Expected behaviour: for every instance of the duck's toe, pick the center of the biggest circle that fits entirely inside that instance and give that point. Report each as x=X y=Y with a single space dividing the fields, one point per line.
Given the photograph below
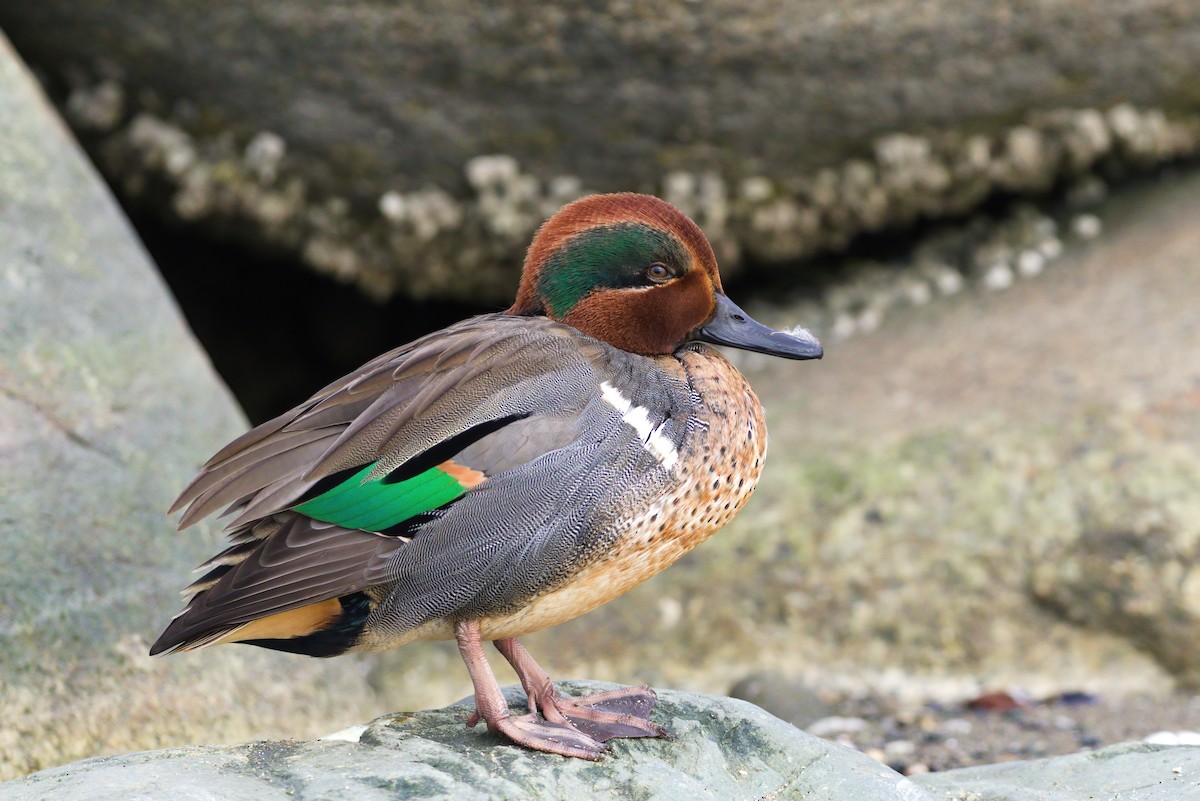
x=624 y=712
x=553 y=738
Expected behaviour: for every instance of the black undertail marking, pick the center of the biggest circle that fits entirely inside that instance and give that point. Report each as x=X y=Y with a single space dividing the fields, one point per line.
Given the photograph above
x=334 y=639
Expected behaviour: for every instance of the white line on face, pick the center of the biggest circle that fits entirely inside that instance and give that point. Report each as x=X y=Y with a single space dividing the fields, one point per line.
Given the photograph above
x=653 y=439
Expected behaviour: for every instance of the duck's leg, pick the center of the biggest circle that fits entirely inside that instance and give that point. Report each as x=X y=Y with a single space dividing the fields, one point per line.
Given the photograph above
x=530 y=730
x=623 y=712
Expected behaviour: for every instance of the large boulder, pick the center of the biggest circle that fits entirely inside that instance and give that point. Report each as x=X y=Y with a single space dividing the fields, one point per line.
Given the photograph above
x=724 y=750
x=413 y=148
x=107 y=405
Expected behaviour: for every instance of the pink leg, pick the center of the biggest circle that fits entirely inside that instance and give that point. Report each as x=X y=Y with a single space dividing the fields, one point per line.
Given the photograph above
x=624 y=712
x=527 y=730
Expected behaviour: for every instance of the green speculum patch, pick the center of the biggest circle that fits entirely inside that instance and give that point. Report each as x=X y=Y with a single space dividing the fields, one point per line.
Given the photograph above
x=377 y=506
x=605 y=257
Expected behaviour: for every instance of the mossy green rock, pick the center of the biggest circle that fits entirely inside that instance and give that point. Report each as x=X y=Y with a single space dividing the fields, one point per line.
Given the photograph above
x=107 y=405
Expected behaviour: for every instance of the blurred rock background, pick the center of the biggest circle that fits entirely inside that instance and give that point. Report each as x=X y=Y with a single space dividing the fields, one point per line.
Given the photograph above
x=988 y=210
x=412 y=149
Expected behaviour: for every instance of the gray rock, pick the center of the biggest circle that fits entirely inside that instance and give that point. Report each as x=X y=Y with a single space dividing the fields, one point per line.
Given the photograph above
x=107 y=405
x=1129 y=772
x=790 y=699
x=786 y=129
x=723 y=750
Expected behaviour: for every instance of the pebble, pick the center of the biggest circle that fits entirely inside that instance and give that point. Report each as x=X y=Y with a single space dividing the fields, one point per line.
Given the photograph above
x=987 y=253
x=917 y=292
x=836 y=725
x=1064 y=722
x=350 y=734
x=1045 y=226
x=263 y=155
x=956 y=726
x=948 y=281
x=998 y=276
x=1000 y=701
x=1051 y=248
x=1086 y=226
x=757 y=189
x=898 y=750
x=392 y=206
x=97 y=108
x=843 y=326
x=870 y=319
x=1173 y=738
x=1076 y=697
x=487 y=172
x=1030 y=263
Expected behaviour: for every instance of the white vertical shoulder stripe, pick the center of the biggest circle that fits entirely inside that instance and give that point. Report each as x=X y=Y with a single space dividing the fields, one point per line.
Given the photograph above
x=638 y=419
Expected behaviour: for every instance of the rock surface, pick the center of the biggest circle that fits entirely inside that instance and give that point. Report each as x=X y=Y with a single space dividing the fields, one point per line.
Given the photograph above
x=723 y=750
x=1130 y=772
x=107 y=405
x=413 y=148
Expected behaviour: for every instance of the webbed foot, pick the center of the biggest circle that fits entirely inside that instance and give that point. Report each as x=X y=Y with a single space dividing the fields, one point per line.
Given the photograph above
x=557 y=723
x=623 y=712
x=534 y=732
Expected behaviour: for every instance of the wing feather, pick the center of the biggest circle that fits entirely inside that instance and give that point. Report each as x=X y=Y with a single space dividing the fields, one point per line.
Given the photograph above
x=262 y=472
x=504 y=387
x=300 y=562
x=390 y=411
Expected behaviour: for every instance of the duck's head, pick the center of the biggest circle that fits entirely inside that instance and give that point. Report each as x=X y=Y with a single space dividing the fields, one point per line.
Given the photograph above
x=636 y=272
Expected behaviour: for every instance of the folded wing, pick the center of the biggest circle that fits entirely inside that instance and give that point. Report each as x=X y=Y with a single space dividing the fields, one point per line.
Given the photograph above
x=325 y=496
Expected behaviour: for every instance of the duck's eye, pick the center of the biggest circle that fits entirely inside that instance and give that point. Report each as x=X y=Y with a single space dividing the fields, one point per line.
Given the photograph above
x=658 y=273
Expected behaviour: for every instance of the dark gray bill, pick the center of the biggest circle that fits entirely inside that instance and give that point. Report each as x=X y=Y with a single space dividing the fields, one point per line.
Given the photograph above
x=733 y=327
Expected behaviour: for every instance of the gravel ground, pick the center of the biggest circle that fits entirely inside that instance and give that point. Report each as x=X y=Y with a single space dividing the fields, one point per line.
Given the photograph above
x=933 y=737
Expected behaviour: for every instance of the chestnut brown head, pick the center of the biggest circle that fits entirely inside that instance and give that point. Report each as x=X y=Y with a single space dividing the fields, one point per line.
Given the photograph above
x=634 y=271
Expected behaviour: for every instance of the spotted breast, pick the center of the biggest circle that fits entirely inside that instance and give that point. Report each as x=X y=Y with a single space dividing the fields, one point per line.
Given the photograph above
x=712 y=473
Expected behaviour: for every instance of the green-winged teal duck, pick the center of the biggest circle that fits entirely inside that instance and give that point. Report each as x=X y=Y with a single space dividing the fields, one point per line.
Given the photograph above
x=502 y=475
